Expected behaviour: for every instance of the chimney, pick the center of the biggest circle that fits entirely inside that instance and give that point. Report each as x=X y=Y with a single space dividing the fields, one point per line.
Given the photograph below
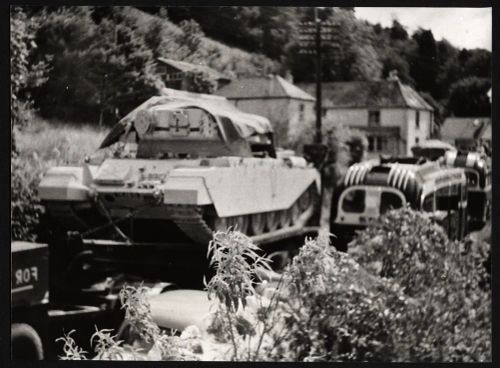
x=393 y=75
x=289 y=77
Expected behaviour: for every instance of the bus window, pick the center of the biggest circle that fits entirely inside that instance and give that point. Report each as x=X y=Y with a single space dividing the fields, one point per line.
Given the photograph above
x=447 y=198
x=390 y=201
x=354 y=201
x=472 y=178
x=428 y=205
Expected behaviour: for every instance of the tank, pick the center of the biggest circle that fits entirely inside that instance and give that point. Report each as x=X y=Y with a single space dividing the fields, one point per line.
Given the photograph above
x=186 y=165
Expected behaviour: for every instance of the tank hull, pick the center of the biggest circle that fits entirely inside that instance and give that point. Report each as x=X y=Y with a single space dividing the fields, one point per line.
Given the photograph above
x=195 y=197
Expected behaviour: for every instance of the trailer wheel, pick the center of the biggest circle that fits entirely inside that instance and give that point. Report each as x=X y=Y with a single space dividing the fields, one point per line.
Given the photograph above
x=25 y=342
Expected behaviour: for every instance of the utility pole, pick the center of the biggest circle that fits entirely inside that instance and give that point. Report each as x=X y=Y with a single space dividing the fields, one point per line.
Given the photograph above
x=313 y=38
x=318 y=75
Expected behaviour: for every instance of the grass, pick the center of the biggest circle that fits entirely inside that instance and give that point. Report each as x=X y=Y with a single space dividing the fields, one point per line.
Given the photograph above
x=58 y=142
x=42 y=145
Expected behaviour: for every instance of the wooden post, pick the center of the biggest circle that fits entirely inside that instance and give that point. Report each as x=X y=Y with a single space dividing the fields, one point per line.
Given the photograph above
x=318 y=76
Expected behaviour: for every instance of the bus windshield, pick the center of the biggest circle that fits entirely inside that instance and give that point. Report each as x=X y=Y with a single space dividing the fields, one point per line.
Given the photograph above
x=390 y=201
x=354 y=201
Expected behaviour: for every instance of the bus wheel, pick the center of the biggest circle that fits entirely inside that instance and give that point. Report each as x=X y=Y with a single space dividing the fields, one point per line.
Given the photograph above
x=25 y=342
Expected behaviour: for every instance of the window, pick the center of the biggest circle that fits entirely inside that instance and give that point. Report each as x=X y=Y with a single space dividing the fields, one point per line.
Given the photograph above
x=371 y=144
x=380 y=143
x=447 y=198
x=428 y=205
x=417 y=119
x=301 y=112
x=354 y=201
x=390 y=201
x=417 y=139
x=472 y=178
x=376 y=144
x=374 y=118
x=323 y=111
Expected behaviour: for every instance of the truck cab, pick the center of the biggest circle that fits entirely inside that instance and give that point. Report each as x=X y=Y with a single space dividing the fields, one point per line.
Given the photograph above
x=29 y=300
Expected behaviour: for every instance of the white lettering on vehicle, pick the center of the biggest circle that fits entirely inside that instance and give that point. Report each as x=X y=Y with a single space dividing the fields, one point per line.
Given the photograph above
x=26 y=275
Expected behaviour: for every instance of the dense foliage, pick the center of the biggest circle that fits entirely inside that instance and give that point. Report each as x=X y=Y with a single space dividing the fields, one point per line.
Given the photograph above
x=448 y=280
x=25 y=208
x=326 y=306
x=101 y=60
x=24 y=73
x=41 y=146
x=361 y=50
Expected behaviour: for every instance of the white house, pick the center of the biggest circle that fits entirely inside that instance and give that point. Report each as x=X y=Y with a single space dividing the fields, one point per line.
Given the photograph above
x=393 y=115
x=284 y=104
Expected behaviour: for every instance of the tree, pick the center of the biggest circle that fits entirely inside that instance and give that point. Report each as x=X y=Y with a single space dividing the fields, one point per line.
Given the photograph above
x=121 y=67
x=468 y=97
x=398 y=31
x=190 y=42
x=352 y=56
x=67 y=34
x=24 y=73
x=99 y=71
x=425 y=64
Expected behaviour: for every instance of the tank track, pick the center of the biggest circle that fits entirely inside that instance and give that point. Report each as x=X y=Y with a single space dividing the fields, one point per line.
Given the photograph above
x=190 y=220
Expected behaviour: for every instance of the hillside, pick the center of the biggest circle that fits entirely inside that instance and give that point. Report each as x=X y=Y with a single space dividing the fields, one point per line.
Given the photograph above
x=113 y=50
x=227 y=59
x=361 y=51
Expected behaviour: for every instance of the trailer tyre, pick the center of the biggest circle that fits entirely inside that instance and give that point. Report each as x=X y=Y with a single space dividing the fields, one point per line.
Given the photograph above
x=25 y=342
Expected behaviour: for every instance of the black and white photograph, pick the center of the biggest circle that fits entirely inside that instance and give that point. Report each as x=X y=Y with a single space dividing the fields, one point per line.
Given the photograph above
x=251 y=183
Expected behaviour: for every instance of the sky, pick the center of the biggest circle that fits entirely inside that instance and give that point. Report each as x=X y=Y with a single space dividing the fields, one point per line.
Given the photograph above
x=462 y=27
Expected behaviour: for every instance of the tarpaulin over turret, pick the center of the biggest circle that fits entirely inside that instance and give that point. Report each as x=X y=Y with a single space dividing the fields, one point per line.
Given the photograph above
x=230 y=120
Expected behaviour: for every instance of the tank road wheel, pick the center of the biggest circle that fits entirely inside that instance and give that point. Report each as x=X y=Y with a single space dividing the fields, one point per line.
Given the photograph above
x=241 y=223
x=285 y=218
x=306 y=199
x=221 y=223
x=294 y=213
x=272 y=220
x=257 y=223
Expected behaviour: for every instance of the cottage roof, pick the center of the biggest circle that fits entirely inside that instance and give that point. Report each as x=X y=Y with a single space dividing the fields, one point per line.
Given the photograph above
x=464 y=128
x=368 y=94
x=194 y=68
x=263 y=88
x=436 y=143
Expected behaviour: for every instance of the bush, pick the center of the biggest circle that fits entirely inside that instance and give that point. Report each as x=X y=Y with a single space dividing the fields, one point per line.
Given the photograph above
x=335 y=311
x=41 y=145
x=327 y=307
x=453 y=321
x=25 y=209
x=405 y=246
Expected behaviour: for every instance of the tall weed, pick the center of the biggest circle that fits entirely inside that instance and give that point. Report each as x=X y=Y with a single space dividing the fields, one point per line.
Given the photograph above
x=41 y=145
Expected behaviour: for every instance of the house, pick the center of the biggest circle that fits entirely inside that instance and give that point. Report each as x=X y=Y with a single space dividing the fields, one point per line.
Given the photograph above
x=178 y=74
x=393 y=116
x=284 y=104
x=467 y=133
